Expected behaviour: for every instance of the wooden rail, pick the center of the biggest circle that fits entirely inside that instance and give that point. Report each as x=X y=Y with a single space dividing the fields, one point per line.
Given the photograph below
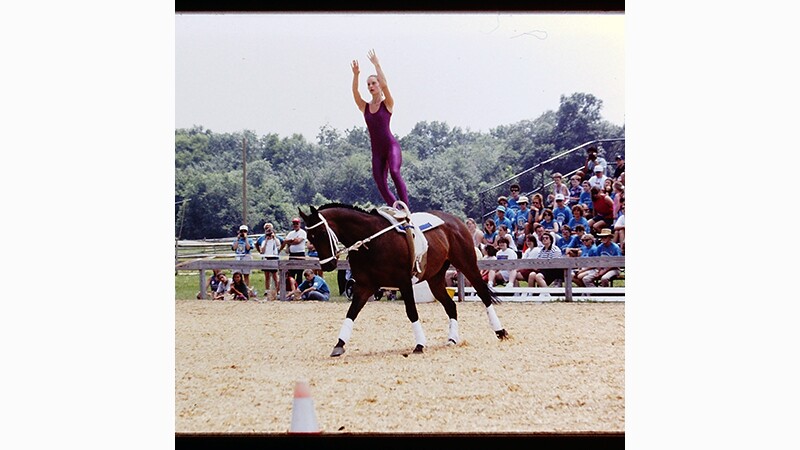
x=285 y=265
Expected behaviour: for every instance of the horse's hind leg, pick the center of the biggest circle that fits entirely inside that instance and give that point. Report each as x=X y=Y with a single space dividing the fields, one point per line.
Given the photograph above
x=360 y=296
x=437 y=286
x=407 y=291
x=474 y=276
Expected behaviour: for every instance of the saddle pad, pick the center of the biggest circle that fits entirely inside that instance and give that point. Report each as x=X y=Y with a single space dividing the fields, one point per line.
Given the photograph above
x=421 y=220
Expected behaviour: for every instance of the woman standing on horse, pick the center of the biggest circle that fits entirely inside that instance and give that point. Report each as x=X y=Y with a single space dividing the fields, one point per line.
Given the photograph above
x=386 y=154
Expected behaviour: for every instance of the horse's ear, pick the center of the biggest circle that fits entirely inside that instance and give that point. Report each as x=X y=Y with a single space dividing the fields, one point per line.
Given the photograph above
x=313 y=210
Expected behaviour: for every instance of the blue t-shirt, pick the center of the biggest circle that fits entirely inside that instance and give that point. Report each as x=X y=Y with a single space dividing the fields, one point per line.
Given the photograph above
x=506 y=221
x=520 y=219
x=241 y=248
x=586 y=199
x=318 y=282
x=579 y=221
x=562 y=215
x=588 y=251
x=563 y=243
x=548 y=224
x=610 y=250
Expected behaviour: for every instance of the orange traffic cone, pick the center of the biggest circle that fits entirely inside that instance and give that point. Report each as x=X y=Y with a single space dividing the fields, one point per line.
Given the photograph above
x=304 y=419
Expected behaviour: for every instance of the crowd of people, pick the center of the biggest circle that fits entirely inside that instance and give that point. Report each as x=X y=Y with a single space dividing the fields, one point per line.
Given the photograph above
x=584 y=218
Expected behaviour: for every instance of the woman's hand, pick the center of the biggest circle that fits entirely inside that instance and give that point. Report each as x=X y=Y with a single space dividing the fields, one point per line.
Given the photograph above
x=354 y=66
x=373 y=58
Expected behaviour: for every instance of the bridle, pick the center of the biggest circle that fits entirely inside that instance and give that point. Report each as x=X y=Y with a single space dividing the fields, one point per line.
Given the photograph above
x=334 y=242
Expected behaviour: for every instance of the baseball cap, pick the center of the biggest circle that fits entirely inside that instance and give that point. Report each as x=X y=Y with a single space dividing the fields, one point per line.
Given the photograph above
x=501 y=208
x=598 y=168
x=296 y=220
x=619 y=157
x=559 y=197
x=244 y=228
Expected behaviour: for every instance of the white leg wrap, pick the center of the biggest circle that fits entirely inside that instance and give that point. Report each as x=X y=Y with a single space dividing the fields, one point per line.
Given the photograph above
x=347 y=330
x=453 y=330
x=494 y=322
x=419 y=335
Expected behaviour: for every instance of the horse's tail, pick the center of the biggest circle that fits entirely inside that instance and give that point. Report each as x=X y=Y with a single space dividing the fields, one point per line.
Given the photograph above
x=486 y=294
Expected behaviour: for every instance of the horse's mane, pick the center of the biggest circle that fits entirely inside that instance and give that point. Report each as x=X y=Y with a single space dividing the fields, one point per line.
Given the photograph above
x=343 y=205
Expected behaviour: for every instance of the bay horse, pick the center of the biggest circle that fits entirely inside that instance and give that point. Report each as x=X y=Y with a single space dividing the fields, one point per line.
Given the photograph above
x=379 y=256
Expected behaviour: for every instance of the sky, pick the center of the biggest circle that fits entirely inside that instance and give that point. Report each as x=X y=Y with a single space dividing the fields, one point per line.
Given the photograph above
x=290 y=73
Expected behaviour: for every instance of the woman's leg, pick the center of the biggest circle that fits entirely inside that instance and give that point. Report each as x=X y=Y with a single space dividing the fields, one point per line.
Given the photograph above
x=380 y=172
x=395 y=160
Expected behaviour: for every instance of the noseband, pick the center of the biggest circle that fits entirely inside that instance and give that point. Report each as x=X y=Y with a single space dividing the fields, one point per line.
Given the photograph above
x=334 y=242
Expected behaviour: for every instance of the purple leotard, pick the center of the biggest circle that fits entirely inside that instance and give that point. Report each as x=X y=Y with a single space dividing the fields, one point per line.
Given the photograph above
x=386 y=154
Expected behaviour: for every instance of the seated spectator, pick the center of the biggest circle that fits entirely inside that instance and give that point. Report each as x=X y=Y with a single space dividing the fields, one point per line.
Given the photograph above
x=548 y=221
x=564 y=238
x=239 y=289
x=504 y=232
x=490 y=255
x=503 y=252
x=513 y=201
x=603 y=211
x=561 y=213
x=477 y=236
x=291 y=287
x=531 y=251
x=558 y=188
x=598 y=180
x=586 y=196
x=575 y=190
x=578 y=218
x=620 y=169
x=211 y=284
x=223 y=286
x=536 y=207
x=313 y=287
x=577 y=236
x=608 y=188
x=451 y=276
x=605 y=274
x=501 y=219
x=489 y=234
x=619 y=193
x=619 y=227
x=544 y=277
x=521 y=222
x=587 y=249
x=538 y=232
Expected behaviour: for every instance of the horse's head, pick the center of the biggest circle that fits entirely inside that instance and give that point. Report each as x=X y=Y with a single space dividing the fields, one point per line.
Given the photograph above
x=319 y=233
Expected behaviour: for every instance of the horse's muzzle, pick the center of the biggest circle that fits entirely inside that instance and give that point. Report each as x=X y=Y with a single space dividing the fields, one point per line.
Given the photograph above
x=329 y=266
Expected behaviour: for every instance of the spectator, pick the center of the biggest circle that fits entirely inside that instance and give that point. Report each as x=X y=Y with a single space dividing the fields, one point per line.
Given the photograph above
x=269 y=246
x=211 y=284
x=513 y=201
x=521 y=221
x=295 y=242
x=490 y=255
x=223 y=287
x=577 y=235
x=503 y=252
x=477 y=236
x=531 y=252
x=578 y=219
x=242 y=246
x=536 y=207
x=313 y=287
x=558 y=188
x=574 y=190
x=538 y=231
x=605 y=274
x=603 y=211
x=504 y=232
x=291 y=286
x=619 y=226
x=598 y=180
x=608 y=187
x=587 y=249
x=451 y=276
x=620 y=169
x=561 y=212
x=489 y=234
x=619 y=194
x=544 y=277
x=586 y=196
x=593 y=160
x=239 y=288
x=548 y=221
x=312 y=253
x=564 y=238
x=501 y=219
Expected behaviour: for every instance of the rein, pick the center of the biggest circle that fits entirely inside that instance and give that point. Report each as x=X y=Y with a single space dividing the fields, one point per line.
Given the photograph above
x=334 y=242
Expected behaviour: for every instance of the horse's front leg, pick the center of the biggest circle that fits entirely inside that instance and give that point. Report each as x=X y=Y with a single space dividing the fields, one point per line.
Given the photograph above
x=360 y=296
x=407 y=292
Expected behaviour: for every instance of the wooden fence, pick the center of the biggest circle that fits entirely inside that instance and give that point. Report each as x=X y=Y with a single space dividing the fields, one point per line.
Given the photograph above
x=285 y=265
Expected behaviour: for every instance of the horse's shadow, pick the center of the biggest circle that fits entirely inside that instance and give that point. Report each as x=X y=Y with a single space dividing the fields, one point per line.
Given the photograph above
x=350 y=354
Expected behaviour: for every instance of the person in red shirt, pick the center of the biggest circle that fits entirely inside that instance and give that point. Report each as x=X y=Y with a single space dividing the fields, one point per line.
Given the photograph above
x=603 y=210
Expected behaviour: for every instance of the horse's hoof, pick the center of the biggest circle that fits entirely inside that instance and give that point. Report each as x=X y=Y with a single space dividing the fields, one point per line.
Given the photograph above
x=452 y=342
x=337 y=351
x=502 y=334
x=418 y=348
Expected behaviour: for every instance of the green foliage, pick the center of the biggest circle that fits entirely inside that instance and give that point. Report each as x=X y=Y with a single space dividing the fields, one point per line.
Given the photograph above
x=444 y=168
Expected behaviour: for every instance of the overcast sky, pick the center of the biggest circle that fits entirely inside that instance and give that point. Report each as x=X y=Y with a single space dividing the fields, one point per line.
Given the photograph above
x=290 y=73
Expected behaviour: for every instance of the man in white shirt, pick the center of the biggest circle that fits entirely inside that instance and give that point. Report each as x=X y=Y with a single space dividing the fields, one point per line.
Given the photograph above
x=598 y=180
x=295 y=241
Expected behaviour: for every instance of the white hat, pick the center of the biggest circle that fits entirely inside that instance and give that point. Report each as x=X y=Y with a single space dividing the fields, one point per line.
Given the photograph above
x=522 y=199
x=559 y=197
x=598 y=168
x=244 y=228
